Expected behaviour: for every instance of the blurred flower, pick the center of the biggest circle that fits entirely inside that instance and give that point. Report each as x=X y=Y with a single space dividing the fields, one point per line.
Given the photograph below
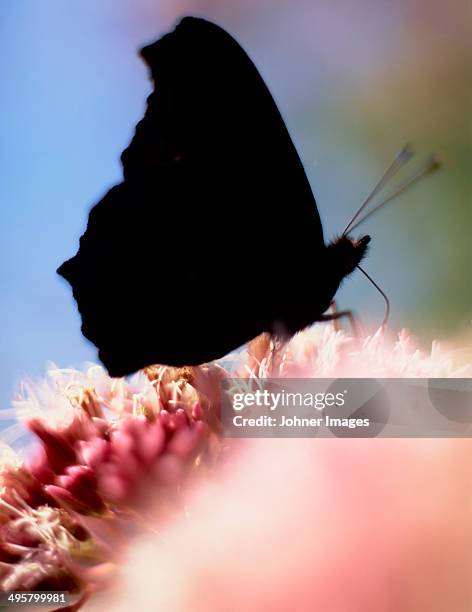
x=311 y=524
x=121 y=458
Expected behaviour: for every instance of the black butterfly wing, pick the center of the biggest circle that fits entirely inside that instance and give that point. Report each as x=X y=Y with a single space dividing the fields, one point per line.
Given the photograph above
x=214 y=229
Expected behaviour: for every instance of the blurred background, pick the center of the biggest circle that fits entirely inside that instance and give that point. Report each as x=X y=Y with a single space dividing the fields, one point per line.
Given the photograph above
x=354 y=81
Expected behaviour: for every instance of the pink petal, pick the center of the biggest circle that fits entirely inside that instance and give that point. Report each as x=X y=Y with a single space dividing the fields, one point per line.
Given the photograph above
x=122 y=443
x=197 y=411
x=95 y=451
x=186 y=440
x=65 y=498
x=58 y=451
x=151 y=442
x=114 y=487
x=168 y=470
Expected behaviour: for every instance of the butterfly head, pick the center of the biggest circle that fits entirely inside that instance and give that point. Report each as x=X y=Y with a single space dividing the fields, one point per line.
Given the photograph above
x=346 y=253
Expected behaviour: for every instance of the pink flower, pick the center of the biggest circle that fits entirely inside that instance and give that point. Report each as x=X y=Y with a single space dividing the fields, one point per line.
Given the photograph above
x=120 y=458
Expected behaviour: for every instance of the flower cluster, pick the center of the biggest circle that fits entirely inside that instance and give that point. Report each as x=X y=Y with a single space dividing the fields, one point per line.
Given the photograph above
x=108 y=449
x=112 y=449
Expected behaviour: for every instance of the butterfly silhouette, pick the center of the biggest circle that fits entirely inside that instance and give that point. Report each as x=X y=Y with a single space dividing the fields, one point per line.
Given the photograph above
x=213 y=237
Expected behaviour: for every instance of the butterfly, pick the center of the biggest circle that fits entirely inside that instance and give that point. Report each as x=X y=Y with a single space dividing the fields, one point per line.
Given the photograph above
x=213 y=236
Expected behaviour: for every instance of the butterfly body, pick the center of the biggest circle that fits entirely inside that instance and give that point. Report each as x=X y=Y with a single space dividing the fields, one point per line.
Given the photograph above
x=213 y=237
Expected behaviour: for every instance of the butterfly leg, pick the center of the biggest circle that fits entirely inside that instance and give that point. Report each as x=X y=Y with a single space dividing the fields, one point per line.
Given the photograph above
x=277 y=347
x=335 y=315
x=333 y=309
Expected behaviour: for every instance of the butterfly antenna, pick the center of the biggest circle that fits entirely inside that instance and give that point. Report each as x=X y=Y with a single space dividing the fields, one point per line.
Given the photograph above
x=431 y=165
x=400 y=160
x=382 y=293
